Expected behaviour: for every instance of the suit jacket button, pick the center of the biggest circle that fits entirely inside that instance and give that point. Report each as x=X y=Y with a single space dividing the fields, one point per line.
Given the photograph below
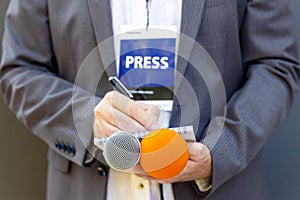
x=101 y=171
x=63 y=147
x=68 y=149
x=72 y=151
x=57 y=144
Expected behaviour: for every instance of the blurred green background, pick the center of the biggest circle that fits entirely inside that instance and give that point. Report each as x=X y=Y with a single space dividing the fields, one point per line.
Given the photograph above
x=23 y=162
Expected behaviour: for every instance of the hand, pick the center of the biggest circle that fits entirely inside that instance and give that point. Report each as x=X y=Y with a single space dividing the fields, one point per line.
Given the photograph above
x=199 y=165
x=116 y=112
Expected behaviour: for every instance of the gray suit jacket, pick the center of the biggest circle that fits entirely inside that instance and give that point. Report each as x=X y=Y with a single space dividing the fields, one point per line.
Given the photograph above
x=252 y=42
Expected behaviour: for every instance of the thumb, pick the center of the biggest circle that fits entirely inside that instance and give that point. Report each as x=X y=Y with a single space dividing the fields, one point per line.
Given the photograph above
x=197 y=151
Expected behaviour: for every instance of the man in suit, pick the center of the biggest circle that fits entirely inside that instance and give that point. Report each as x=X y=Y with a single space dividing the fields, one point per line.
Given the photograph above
x=42 y=80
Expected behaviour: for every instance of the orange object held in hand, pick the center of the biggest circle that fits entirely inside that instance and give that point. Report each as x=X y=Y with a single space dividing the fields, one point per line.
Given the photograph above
x=164 y=153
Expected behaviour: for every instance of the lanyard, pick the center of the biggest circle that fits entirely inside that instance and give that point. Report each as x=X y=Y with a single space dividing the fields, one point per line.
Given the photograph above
x=148 y=17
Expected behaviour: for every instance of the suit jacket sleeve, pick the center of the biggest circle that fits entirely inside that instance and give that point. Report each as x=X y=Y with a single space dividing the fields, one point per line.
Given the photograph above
x=272 y=74
x=48 y=105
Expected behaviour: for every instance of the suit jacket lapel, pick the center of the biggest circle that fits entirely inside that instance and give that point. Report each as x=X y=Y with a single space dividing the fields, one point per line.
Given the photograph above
x=102 y=22
x=192 y=12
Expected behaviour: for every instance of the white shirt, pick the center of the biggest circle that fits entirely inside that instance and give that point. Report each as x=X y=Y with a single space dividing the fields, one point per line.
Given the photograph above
x=123 y=185
x=134 y=13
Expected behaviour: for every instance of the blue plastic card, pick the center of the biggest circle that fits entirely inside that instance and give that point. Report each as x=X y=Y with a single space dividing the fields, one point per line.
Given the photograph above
x=141 y=65
x=146 y=61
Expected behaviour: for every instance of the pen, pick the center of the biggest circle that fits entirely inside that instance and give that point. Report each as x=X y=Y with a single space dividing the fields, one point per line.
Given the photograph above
x=119 y=86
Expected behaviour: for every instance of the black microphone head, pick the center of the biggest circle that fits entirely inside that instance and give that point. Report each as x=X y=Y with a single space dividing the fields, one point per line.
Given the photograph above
x=122 y=151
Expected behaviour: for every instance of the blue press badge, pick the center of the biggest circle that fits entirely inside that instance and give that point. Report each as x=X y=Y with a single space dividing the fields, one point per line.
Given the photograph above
x=146 y=67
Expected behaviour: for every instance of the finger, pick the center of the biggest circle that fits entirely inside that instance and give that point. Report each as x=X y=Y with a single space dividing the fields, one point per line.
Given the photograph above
x=97 y=130
x=105 y=129
x=119 y=101
x=146 y=115
x=184 y=175
x=138 y=170
x=197 y=151
x=192 y=171
x=102 y=128
x=104 y=111
x=124 y=122
x=144 y=176
x=115 y=100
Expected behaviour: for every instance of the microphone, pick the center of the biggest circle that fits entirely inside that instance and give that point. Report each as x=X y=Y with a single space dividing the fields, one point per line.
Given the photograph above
x=122 y=151
x=164 y=153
